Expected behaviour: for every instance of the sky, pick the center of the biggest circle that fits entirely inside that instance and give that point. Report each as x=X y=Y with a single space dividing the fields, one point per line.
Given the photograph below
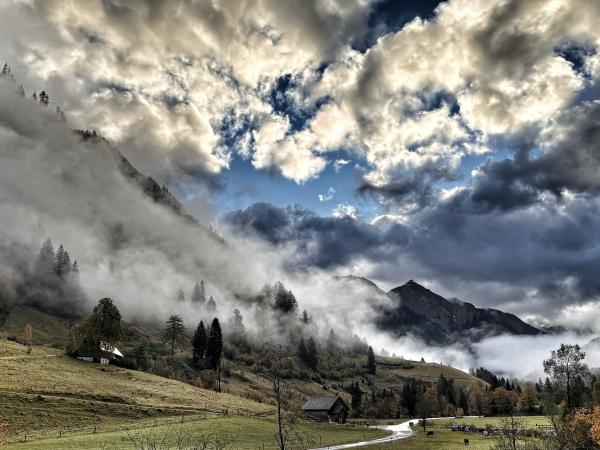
x=455 y=143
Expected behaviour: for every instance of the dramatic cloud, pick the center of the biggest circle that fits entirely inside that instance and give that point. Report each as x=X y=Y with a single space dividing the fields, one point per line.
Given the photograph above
x=472 y=135
x=168 y=81
x=324 y=242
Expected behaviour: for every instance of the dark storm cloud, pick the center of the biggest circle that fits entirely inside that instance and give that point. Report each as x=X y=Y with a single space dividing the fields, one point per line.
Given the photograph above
x=324 y=242
x=569 y=163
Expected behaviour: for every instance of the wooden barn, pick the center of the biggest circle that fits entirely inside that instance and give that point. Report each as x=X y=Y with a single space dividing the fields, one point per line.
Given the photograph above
x=329 y=408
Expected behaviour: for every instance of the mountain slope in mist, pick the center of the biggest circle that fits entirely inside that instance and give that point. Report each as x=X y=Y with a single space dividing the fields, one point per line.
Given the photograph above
x=133 y=241
x=414 y=309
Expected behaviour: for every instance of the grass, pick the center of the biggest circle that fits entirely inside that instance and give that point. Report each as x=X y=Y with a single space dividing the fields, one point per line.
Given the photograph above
x=441 y=439
x=481 y=422
x=392 y=371
x=55 y=402
x=49 y=330
x=47 y=391
x=249 y=433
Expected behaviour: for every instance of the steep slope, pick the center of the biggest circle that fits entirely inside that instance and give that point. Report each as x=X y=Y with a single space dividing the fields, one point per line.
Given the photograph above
x=418 y=311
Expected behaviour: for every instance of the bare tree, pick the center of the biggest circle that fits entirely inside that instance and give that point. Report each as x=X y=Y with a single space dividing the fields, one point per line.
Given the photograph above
x=182 y=439
x=273 y=367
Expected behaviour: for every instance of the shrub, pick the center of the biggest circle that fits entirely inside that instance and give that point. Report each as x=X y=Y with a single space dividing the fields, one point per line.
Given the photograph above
x=207 y=379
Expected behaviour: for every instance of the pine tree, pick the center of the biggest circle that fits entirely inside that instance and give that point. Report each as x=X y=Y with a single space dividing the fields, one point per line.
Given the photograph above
x=34 y=96
x=237 y=323
x=356 y=394
x=302 y=351
x=199 y=342
x=62 y=262
x=44 y=98
x=199 y=294
x=371 y=363
x=332 y=345
x=174 y=332
x=61 y=114
x=211 y=305
x=180 y=295
x=5 y=70
x=305 y=318
x=20 y=90
x=214 y=350
x=312 y=354
x=44 y=265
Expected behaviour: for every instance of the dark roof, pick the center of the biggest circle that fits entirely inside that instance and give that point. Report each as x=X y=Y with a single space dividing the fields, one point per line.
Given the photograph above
x=324 y=403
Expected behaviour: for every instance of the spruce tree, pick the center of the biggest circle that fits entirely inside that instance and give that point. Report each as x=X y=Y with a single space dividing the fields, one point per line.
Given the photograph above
x=199 y=294
x=174 y=332
x=199 y=342
x=214 y=350
x=44 y=265
x=312 y=354
x=62 y=262
x=371 y=363
x=211 y=305
x=305 y=318
x=302 y=351
x=44 y=98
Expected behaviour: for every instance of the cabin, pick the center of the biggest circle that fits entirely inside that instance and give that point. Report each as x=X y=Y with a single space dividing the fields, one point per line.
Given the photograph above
x=106 y=355
x=329 y=408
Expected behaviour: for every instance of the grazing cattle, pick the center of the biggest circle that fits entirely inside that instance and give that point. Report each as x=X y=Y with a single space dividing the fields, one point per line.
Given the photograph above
x=429 y=433
x=466 y=442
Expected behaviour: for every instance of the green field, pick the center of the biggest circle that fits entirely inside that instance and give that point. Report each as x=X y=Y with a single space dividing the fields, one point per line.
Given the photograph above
x=444 y=438
x=392 y=371
x=247 y=433
x=52 y=401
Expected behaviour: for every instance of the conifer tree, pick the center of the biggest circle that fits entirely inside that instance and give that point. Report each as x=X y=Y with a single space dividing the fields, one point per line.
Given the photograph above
x=237 y=323
x=332 y=345
x=214 y=350
x=211 y=305
x=302 y=351
x=199 y=342
x=312 y=354
x=44 y=264
x=20 y=90
x=305 y=318
x=44 y=98
x=174 y=332
x=199 y=294
x=371 y=363
x=62 y=262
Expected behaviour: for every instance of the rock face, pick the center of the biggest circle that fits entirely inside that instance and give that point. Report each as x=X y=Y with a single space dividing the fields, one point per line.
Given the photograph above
x=414 y=309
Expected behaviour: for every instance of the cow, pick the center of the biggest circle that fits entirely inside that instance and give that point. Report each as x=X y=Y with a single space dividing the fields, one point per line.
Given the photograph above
x=466 y=442
x=429 y=433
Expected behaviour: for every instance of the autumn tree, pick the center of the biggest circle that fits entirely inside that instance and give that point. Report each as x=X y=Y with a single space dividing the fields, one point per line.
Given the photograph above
x=426 y=406
x=565 y=366
x=27 y=336
x=528 y=399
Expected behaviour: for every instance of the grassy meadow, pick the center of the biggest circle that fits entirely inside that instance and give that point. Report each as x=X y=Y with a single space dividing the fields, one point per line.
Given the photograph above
x=55 y=402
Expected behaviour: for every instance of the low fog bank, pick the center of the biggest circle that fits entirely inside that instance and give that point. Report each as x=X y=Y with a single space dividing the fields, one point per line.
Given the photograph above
x=505 y=355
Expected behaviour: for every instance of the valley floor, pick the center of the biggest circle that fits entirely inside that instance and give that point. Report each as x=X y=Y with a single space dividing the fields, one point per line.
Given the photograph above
x=51 y=401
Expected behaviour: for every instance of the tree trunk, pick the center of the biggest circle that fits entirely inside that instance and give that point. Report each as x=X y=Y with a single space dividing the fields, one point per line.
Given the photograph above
x=172 y=344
